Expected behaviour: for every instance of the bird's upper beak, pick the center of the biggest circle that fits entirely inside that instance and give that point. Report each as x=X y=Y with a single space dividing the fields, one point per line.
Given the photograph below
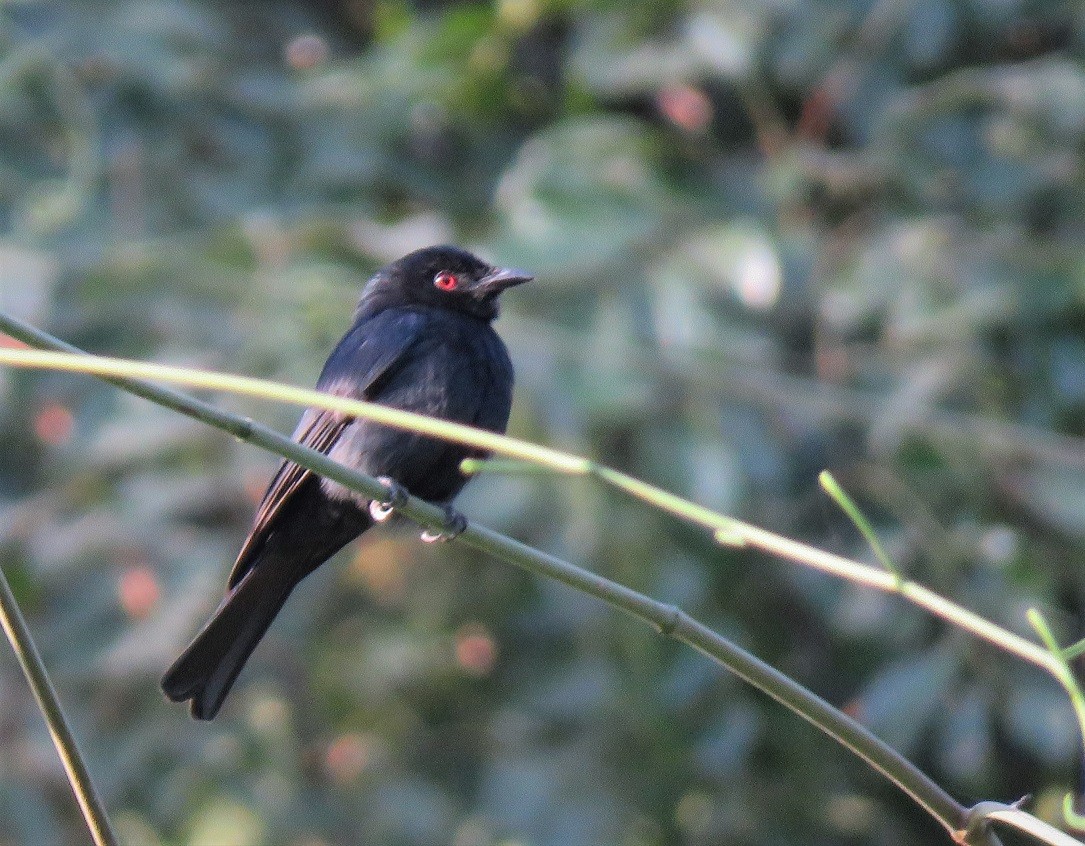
x=498 y=279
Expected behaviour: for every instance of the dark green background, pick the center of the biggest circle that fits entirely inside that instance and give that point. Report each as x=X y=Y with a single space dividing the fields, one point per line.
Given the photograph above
x=211 y=183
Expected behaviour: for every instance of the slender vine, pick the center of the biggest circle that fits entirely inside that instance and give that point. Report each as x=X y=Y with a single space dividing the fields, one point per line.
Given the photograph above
x=964 y=825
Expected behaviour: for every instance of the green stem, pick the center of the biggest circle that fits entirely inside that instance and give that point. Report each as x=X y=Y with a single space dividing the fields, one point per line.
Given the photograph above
x=982 y=815
x=129 y=375
x=22 y=643
x=675 y=623
x=1074 y=650
x=668 y=619
x=848 y=506
x=1066 y=678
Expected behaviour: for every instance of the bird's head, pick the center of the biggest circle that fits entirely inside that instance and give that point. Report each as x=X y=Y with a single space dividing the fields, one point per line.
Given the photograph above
x=440 y=277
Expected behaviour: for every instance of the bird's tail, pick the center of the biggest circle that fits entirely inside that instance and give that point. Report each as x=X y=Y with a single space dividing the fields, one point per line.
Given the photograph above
x=207 y=669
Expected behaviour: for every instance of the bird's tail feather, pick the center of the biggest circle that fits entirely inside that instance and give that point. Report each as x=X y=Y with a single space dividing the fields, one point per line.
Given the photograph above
x=207 y=669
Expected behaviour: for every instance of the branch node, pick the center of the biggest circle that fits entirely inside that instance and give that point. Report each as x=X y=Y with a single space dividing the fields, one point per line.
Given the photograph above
x=673 y=616
x=243 y=428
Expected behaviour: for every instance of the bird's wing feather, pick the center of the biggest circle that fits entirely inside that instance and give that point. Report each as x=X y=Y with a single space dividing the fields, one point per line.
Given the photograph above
x=366 y=357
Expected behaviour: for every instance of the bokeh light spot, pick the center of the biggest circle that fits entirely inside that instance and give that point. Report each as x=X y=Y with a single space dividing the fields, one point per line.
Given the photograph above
x=380 y=565
x=254 y=484
x=8 y=342
x=694 y=813
x=347 y=757
x=138 y=591
x=758 y=277
x=686 y=107
x=227 y=823
x=306 y=52
x=53 y=424
x=852 y=815
x=476 y=650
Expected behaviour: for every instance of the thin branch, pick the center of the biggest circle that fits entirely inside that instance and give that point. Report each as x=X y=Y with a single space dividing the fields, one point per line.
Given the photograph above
x=726 y=529
x=668 y=619
x=847 y=505
x=714 y=372
x=22 y=643
x=981 y=816
x=1070 y=684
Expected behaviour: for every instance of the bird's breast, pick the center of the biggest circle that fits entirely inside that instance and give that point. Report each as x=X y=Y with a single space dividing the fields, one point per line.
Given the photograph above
x=458 y=370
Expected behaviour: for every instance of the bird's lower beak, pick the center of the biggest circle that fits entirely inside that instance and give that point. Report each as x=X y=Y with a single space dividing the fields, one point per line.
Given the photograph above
x=500 y=278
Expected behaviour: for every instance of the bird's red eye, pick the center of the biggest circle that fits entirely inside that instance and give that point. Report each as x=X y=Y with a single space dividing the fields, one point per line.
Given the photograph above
x=446 y=281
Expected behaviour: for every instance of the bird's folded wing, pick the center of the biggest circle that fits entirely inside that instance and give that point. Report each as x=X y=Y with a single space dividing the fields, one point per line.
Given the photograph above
x=363 y=360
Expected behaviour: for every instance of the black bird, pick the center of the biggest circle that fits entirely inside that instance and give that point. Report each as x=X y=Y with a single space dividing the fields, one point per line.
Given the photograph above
x=421 y=341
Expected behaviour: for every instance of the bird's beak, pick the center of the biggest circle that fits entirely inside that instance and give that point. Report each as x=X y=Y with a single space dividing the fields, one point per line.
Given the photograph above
x=498 y=279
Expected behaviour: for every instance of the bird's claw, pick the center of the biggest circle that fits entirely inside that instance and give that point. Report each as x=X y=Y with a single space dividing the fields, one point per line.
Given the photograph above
x=454 y=525
x=381 y=510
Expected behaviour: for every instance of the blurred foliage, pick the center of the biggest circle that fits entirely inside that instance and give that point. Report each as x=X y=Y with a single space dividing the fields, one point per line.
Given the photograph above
x=770 y=237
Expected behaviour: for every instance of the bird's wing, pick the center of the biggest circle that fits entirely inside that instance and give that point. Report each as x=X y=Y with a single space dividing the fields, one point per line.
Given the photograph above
x=366 y=357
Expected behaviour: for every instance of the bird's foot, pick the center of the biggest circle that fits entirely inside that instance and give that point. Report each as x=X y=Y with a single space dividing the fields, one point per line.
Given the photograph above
x=381 y=510
x=454 y=525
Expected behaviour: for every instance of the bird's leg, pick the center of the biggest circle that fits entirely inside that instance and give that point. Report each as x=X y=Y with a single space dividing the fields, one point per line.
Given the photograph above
x=397 y=495
x=454 y=525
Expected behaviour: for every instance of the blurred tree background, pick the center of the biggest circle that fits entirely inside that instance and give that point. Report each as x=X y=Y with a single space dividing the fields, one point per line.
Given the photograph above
x=771 y=236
